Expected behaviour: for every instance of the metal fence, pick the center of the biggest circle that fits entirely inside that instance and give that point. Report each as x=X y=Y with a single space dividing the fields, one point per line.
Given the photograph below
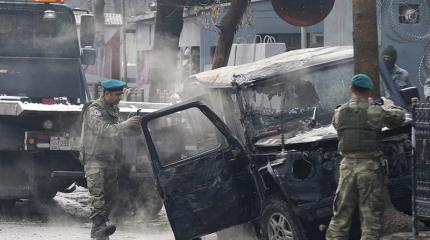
x=421 y=164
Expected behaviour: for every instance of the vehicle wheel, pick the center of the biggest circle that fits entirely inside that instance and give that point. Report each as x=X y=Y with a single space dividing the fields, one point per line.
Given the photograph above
x=45 y=193
x=7 y=204
x=151 y=200
x=278 y=222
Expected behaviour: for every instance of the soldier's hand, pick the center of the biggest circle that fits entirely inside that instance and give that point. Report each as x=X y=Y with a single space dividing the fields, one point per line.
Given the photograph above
x=133 y=121
x=387 y=102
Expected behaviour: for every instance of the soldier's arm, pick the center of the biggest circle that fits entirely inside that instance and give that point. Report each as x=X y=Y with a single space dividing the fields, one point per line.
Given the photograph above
x=394 y=116
x=100 y=127
x=335 y=119
x=406 y=77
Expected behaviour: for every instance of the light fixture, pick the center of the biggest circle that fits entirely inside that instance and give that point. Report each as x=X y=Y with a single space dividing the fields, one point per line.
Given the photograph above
x=48 y=124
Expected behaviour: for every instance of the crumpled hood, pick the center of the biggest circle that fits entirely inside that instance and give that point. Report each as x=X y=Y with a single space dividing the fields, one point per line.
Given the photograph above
x=311 y=136
x=314 y=135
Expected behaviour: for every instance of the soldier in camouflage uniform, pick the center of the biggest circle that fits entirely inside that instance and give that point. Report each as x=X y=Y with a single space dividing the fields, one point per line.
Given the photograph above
x=361 y=183
x=100 y=155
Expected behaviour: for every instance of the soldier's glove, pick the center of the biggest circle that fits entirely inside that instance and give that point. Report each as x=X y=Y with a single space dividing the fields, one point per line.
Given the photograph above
x=376 y=101
x=133 y=121
x=387 y=102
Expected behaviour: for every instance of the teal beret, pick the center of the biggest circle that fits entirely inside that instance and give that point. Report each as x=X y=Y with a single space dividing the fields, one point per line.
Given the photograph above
x=363 y=81
x=113 y=85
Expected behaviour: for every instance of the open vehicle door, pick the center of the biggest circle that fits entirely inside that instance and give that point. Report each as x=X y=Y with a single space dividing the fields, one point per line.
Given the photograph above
x=203 y=171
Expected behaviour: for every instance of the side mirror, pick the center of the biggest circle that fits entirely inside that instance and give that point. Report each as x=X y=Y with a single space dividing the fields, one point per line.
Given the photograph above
x=88 y=56
x=408 y=94
x=87 y=30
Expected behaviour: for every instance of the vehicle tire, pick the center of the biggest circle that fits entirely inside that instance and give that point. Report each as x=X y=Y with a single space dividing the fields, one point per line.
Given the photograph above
x=45 y=192
x=151 y=200
x=278 y=222
x=7 y=204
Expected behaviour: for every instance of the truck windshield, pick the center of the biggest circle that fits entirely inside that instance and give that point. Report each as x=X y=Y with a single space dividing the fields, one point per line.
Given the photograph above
x=33 y=31
x=39 y=53
x=298 y=102
x=41 y=78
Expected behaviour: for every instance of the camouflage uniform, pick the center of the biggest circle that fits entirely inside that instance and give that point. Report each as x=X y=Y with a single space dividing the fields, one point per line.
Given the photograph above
x=361 y=181
x=100 y=154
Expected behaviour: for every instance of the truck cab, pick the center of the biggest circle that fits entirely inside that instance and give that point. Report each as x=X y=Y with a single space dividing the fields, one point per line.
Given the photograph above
x=42 y=91
x=42 y=85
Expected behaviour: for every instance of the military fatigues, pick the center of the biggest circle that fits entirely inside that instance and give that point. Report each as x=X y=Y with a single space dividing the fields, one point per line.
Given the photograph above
x=101 y=131
x=361 y=181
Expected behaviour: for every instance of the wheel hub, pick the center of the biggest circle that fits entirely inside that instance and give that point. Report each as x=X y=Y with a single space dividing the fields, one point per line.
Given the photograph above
x=279 y=228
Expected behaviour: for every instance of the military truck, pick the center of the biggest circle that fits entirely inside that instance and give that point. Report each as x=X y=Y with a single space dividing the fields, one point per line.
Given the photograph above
x=259 y=147
x=42 y=89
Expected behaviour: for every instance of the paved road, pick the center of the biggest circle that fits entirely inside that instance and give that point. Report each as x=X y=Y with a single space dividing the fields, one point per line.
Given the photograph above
x=65 y=218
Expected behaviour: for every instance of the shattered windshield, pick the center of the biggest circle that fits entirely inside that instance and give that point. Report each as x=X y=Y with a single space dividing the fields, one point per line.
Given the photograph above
x=299 y=102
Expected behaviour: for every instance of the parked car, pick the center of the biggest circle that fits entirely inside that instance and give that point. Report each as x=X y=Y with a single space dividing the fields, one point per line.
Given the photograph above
x=259 y=147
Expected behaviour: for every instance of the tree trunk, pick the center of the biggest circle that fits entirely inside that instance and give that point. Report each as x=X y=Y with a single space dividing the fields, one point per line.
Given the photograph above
x=365 y=37
x=99 y=18
x=226 y=29
x=168 y=28
x=99 y=41
x=117 y=6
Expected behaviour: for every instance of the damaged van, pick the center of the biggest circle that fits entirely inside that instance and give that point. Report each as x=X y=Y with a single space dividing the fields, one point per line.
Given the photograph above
x=259 y=147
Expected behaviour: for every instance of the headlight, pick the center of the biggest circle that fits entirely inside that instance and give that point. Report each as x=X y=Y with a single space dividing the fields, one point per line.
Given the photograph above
x=48 y=124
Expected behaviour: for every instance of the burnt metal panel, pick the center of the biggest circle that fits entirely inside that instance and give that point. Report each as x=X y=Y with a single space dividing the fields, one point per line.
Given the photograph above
x=12 y=137
x=209 y=192
x=304 y=177
x=421 y=163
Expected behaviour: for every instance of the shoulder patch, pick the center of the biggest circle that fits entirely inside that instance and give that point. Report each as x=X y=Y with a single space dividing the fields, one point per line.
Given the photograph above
x=338 y=106
x=97 y=112
x=94 y=110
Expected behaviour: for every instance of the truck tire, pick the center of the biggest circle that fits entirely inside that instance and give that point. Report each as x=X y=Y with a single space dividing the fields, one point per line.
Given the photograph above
x=278 y=221
x=151 y=200
x=45 y=195
x=7 y=204
x=44 y=190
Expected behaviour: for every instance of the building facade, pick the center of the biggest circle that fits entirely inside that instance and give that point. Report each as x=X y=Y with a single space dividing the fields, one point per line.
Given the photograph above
x=199 y=36
x=401 y=23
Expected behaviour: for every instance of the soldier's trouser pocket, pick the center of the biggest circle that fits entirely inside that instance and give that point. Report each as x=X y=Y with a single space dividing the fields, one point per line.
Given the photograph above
x=343 y=206
x=96 y=186
x=371 y=186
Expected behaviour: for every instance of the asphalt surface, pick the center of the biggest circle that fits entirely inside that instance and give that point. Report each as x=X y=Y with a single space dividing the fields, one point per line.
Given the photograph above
x=65 y=218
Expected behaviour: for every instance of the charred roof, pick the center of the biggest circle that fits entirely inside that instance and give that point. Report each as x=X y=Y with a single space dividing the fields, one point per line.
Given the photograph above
x=286 y=63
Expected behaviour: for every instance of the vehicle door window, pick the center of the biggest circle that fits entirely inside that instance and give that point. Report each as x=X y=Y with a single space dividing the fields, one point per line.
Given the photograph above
x=183 y=135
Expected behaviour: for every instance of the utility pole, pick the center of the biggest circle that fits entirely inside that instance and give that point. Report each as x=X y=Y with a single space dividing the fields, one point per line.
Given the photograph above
x=124 y=41
x=365 y=39
x=304 y=39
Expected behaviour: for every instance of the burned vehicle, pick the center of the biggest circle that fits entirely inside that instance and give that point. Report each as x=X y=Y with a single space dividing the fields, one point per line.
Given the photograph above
x=259 y=147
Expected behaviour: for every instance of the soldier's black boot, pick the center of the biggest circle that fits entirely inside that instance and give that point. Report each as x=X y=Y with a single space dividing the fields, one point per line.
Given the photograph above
x=100 y=230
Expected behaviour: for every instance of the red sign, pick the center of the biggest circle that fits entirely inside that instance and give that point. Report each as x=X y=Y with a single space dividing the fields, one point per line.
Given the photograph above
x=303 y=12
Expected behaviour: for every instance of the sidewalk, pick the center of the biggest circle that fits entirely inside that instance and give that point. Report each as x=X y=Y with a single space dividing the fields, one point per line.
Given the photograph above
x=407 y=236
